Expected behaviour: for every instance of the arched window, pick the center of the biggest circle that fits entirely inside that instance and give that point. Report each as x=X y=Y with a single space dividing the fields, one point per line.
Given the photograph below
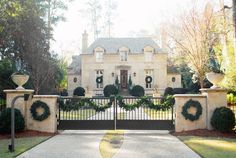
x=99 y=51
x=148 y=52
x=124 y=53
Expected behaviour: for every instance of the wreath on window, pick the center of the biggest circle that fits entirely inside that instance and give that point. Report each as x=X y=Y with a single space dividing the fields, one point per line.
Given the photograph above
x=188 y=105
x=99 y=79
x=148 y=79
x=39 y=104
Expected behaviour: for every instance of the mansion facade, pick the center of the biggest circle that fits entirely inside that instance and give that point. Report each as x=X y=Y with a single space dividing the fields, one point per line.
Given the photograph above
x=108 y=60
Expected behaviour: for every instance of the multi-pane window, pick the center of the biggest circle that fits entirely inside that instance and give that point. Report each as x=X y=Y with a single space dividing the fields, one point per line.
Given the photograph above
x=148 y=51
x=148 y=56
x=99 y=51
x=123 y=56
x=149 y=78
x=99 y=56
x=124 y=53
x=99 y=78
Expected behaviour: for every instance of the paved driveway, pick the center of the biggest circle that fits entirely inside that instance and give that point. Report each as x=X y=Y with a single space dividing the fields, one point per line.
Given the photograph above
x=137 y=144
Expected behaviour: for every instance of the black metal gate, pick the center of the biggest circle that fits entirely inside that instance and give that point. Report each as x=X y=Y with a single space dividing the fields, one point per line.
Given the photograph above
x=108 y=113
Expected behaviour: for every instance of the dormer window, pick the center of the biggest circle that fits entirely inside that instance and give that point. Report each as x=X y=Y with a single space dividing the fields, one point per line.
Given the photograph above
x=124 y=53
x=148 y=52
x=99 y=51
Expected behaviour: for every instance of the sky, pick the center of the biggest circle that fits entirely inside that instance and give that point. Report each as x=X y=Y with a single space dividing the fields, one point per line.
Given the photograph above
x=132 y=18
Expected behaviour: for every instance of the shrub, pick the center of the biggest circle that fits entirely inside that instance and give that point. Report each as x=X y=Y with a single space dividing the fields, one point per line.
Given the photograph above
x=168 y=91
x=5 y=121
x=79 y=91
x=64 y=92
x=179 y=90
x=110 y=90
x=223 y=119
x=137 y=91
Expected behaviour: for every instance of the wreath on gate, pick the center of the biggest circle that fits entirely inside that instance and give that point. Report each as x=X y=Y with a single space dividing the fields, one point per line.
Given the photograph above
x=188 y=105
x=39 y=104
x=148 y=79
x=99 y=79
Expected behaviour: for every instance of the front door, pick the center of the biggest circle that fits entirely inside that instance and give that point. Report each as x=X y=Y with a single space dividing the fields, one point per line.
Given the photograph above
x=123 y=78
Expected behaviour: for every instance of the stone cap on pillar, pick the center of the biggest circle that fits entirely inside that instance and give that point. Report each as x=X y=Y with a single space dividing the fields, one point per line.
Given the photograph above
x=25 y=91
x=212 y=90
x=189 y=96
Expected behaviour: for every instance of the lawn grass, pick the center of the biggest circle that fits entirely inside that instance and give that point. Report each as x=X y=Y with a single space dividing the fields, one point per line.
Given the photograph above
x=211 y=147
x=21 y=145
x=159 y=115
x=111 y=143
x=81 y=114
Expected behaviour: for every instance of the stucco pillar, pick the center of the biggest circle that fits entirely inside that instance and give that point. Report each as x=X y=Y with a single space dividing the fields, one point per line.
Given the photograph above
x=215 y=98
x=181 y=124
x=49 y=124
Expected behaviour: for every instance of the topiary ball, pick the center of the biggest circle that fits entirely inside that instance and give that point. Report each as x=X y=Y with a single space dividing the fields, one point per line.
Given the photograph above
x=169 y=91
x=79 y=91
x=223 y=119
x=5 y=121
x=137 y=91
x=110 y=90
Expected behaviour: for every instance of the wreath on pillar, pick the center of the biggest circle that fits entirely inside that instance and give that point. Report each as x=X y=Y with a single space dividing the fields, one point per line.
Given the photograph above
x=148 y=79
x=99 y=79
x=187 y=106
x=39 y=104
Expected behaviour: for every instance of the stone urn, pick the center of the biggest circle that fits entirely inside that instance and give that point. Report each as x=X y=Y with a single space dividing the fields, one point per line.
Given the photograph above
x=19 y=79
x=214 y=78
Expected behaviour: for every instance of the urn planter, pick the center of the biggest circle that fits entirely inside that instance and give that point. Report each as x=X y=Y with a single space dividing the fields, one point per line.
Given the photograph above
x=19 y=79
x=214 y=78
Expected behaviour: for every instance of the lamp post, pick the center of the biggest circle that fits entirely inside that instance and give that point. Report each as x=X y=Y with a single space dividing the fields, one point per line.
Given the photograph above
x=11 y=147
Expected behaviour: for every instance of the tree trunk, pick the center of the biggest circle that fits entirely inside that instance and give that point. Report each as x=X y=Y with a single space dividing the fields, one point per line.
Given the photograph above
x=234 y=22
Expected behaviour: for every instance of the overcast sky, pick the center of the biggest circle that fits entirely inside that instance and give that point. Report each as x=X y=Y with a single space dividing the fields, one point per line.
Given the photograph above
x=132 y=16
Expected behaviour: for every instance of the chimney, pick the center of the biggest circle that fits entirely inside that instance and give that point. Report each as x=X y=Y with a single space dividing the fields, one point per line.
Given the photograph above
x=163 y=39
x=84 y=42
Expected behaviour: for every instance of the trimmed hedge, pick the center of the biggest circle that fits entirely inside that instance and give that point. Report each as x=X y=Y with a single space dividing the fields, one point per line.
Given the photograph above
x=223 y=119
x=79 y=91
x=110 y=90
x=5 y=121
x=137 y=91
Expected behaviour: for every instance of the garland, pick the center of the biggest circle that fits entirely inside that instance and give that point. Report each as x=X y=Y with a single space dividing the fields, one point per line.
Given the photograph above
x=99 y=79
x=75 y=104
x=148 y=79
x=188 y=105
x=146 y=101
x=39 y=104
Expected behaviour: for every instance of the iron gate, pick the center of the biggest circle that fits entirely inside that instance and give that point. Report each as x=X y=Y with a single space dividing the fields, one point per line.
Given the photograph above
x=107 y=113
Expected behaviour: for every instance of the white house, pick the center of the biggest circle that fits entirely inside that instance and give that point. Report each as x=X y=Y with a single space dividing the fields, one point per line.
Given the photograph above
x=106 y=59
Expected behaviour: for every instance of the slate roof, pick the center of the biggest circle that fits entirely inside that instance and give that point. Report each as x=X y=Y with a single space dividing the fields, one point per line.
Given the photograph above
x=111 y=45
x=75 y=66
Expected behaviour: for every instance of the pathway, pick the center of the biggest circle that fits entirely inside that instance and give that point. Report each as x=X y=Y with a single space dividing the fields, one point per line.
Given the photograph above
x=85 y=144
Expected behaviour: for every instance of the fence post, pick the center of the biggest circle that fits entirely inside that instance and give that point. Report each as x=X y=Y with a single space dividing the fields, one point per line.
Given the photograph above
x=114 y=112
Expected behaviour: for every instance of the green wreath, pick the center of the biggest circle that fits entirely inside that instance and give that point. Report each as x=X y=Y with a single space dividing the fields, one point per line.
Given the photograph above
x=189 y=104
x=148 y=79
x=99 y=79
x=39 y=104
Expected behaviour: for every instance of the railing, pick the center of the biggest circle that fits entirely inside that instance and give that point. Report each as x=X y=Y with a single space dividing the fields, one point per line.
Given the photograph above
x=144 y=112
x=80 y=108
